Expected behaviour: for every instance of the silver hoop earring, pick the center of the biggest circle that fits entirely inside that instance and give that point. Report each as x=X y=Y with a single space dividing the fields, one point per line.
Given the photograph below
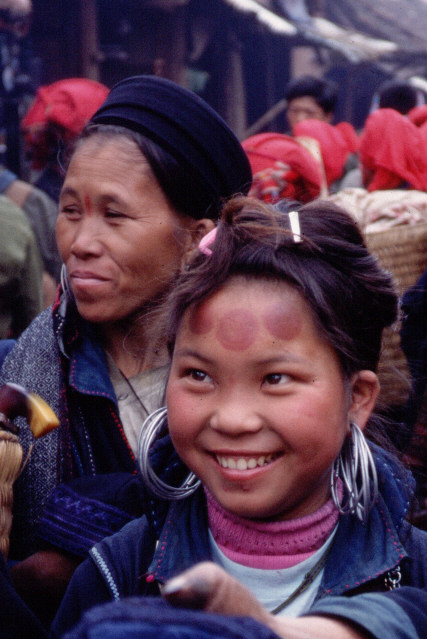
x=355 y=466
x=151 y=428
x=65 y=284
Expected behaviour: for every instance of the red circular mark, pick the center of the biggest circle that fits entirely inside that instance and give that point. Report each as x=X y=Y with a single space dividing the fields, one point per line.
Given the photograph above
x=283 y=320
x=201 y=320
x=237 y=329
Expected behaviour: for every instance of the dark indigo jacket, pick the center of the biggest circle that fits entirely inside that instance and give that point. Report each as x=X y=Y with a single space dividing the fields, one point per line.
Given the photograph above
x=69 y=474
x=131 y=562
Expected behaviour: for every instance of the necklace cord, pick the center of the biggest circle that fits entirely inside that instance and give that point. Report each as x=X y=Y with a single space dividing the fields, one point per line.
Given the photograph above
x=309 y=577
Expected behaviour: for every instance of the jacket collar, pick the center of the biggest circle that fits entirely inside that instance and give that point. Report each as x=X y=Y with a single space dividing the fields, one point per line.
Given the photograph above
x=184 y=538
x=360 y=553
x=78 y=342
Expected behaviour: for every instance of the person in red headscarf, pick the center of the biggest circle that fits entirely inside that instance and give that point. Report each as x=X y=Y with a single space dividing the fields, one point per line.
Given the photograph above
x=336 y=144
x=282 y=168
x=56 y=117
x=392 y=152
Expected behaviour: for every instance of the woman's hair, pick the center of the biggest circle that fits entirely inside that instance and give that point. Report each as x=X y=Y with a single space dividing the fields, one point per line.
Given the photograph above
x=351 y=297
x=178 y=185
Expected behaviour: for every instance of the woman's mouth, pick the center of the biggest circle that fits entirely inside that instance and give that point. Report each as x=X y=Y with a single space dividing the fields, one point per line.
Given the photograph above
x=246 y=462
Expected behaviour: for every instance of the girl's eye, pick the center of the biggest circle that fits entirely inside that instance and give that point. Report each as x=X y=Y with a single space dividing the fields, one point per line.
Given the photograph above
x=198 y=375
x=276 y=378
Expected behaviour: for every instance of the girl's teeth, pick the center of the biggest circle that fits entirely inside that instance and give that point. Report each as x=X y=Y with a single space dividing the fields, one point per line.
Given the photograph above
x=243 y=464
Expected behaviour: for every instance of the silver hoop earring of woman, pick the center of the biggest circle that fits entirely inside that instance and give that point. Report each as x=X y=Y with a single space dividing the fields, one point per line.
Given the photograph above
x=153 y=426
x=355 y=467
x=65 y=284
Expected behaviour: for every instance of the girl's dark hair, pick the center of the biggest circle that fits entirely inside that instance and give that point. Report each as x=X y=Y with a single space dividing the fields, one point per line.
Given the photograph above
x=351 y=297
x=182 y=190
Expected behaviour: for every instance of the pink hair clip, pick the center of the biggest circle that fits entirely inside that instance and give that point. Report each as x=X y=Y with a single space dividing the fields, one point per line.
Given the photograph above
x=206 y=241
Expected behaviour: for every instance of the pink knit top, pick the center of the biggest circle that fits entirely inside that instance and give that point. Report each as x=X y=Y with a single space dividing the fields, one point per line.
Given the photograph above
x=269 y=545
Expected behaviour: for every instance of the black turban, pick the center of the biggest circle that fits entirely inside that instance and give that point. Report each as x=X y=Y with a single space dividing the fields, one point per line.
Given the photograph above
x=185 y=126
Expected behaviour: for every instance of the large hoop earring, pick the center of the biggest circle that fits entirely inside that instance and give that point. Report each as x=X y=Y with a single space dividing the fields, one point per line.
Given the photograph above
x=355 y=467
x=65 y=284
x=151 y=428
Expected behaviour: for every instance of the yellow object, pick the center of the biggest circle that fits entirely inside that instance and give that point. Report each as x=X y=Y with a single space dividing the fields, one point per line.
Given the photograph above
x=41 y=417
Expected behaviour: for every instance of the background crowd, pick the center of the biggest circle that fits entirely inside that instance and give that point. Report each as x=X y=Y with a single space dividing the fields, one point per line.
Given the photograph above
x=128 y=182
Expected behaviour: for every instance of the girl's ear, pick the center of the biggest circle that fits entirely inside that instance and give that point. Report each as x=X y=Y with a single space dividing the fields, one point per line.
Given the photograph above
x=197 y=229
x=364 y=392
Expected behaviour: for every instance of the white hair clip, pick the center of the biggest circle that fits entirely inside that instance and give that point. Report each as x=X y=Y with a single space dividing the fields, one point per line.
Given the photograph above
x=295 y=227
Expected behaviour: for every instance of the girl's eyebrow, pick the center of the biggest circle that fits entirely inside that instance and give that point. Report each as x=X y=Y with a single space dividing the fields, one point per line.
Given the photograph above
x=188 y=352
x=275 y=359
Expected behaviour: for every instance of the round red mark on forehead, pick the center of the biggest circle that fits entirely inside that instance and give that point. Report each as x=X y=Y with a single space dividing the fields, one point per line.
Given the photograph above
x=283 y=320
x=237 y=329
x=200 y=320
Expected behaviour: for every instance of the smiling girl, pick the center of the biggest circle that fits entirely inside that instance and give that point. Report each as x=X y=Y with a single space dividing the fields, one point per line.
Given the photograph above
x=275 y=333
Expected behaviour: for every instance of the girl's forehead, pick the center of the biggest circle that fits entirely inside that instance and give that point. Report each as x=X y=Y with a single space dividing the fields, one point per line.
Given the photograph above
x=242 y=309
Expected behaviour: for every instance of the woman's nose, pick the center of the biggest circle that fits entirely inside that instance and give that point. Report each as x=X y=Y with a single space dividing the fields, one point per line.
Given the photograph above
x=86 y=240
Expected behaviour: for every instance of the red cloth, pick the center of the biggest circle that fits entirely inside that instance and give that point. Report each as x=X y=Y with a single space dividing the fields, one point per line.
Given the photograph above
x=67 y=104
x=281 y=168
x=348 y=131
x=418 y=115
x=392 y=151
x=335 y=145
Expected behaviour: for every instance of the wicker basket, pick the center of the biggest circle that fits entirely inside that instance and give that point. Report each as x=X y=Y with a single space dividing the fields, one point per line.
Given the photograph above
x=10 y=467
x=402 y=250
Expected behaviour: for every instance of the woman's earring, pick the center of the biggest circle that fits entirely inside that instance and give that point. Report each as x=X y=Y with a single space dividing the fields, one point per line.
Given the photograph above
x=355 y=467
x=65 y=284
x=151 y=428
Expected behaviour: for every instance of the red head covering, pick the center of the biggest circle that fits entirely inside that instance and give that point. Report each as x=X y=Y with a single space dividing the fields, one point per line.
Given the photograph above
x=334 y=146
x=418 y=115
x=391 y=149
x=67 y=104
x=281 y=168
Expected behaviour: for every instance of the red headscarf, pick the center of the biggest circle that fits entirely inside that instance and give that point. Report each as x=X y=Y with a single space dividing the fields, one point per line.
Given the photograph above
x=335 y=144
x=281 y=168
x=418 y=115
x=67 y=104
x=392 y=151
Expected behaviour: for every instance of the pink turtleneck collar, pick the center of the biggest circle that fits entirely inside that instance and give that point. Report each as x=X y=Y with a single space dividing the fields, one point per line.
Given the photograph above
x=269 y=545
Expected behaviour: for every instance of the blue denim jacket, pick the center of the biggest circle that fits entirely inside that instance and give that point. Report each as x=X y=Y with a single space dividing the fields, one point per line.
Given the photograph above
x=135 y=560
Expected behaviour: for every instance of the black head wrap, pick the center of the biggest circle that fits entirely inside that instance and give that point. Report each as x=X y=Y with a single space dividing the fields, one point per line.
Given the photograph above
x=186 y=127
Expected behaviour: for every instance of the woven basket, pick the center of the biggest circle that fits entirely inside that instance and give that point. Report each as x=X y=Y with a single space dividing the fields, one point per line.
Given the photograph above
x=401 y=250
x=10 y=467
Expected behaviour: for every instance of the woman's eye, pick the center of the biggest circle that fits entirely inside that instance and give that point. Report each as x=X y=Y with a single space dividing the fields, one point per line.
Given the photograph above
x=70 y=211
x=276 y=378
x=114 y=214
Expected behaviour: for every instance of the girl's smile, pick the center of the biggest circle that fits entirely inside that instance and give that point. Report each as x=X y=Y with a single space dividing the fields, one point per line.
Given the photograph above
x=257 y=404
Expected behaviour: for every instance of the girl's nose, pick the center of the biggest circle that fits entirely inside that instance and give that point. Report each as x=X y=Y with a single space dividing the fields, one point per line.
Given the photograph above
x=236 y=418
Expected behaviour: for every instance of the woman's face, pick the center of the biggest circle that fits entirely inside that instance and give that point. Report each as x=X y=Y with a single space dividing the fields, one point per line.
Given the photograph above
x=118 y=236
x=257 y=404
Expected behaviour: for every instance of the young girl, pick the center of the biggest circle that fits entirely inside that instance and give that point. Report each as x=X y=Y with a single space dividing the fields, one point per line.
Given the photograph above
x=275 y=333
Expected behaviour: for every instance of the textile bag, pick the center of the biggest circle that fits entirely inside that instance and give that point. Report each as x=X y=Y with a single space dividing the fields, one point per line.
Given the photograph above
x=15 y=401
x=10 y=468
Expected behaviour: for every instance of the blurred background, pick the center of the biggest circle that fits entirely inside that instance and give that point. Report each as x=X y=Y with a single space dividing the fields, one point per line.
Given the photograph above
x=237 y=54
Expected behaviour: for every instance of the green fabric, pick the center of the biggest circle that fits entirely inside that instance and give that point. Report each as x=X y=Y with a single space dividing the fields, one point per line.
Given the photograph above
x=20 y=271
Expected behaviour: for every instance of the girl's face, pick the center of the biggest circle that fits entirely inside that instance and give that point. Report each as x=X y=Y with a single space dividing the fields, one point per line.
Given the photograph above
x=117 y=233
x=257 y=404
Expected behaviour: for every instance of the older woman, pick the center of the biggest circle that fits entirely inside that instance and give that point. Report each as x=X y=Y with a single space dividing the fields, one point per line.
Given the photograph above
x=144 y=183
